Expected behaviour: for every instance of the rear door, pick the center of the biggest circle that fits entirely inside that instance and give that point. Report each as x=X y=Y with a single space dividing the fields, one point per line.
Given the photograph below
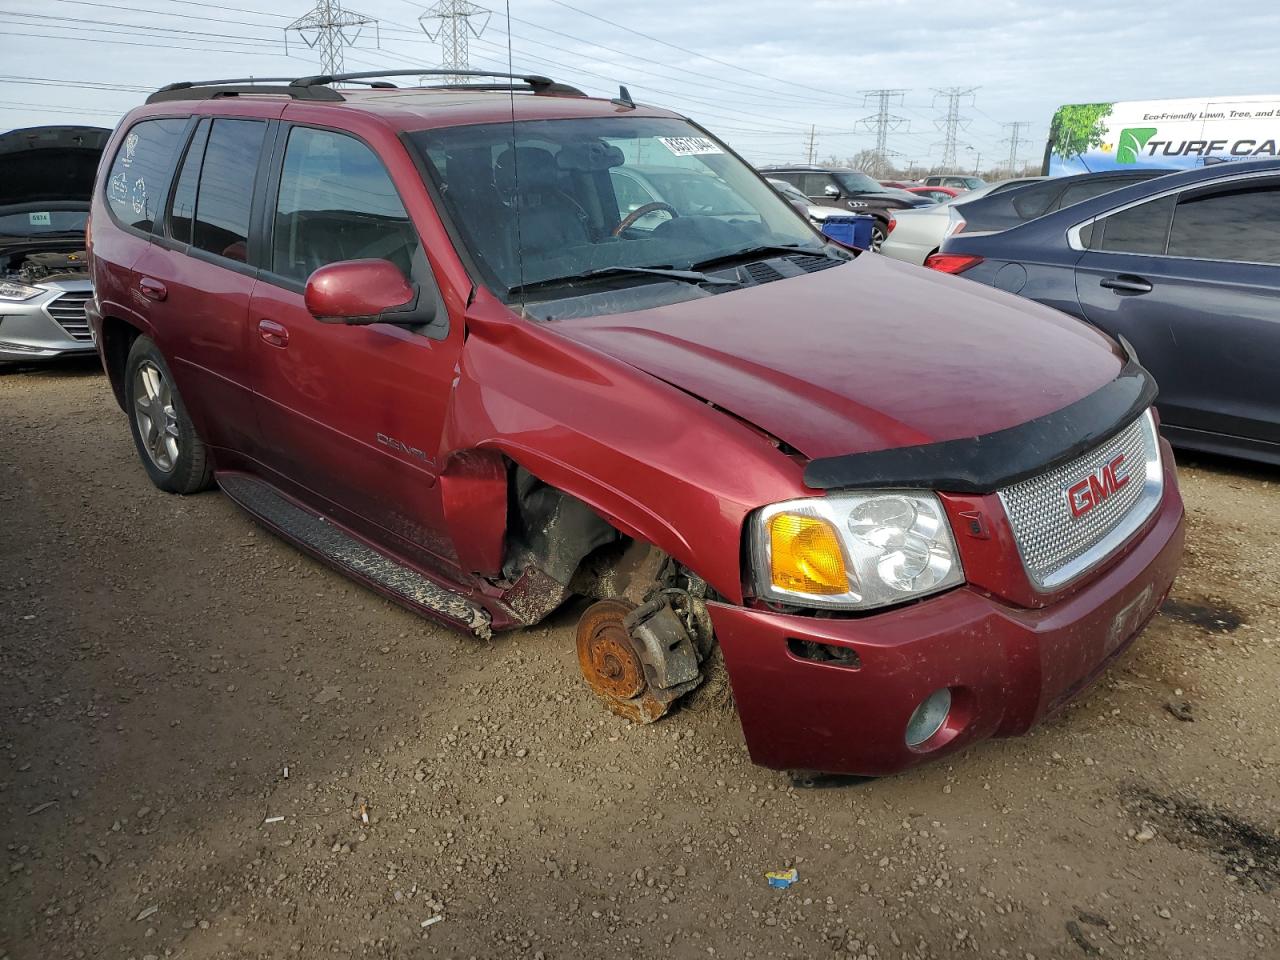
x=197 y=280
x=352 y=416
x=1192 y=279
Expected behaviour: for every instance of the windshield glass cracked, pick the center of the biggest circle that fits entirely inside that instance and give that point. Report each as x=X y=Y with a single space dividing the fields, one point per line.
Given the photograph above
x=578 y=199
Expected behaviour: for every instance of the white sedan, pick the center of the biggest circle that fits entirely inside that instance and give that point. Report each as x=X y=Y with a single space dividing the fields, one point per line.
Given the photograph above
x=915 y=234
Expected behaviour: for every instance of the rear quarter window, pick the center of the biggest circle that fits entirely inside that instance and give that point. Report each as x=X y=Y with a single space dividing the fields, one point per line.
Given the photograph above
x=138 y=182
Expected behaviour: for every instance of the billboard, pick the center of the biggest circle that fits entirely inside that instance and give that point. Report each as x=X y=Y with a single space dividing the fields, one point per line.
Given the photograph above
x=1087 y=137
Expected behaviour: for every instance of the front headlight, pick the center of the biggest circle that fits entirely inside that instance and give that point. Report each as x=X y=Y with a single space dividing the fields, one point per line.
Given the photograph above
x=853 y=551
x=15 y=292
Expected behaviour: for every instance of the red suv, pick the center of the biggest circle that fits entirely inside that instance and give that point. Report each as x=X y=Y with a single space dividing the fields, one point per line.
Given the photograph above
x=429 y=336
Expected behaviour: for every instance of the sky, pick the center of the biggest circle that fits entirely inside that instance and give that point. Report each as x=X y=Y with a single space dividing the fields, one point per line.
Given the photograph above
x=761 y=75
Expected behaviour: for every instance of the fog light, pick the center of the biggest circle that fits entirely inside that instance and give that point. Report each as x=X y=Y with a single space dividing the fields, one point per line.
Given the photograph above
x=929 y=717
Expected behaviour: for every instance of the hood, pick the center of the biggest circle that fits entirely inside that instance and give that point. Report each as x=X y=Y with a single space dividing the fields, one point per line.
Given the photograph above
x=870 y=355
x=44 y=164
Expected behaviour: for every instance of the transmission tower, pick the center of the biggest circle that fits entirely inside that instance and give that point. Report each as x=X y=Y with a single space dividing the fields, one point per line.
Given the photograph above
x=882 y=121
x=329 y=27
x=451 y=21
x=1015 y=137
x=953 y=123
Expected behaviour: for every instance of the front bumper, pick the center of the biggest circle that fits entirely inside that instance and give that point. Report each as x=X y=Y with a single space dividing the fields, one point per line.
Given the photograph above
x=1007 y=667
x=48 y=326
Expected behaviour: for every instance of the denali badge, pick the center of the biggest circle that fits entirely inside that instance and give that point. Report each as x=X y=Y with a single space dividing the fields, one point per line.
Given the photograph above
x=404 y=448
x=1096 y=487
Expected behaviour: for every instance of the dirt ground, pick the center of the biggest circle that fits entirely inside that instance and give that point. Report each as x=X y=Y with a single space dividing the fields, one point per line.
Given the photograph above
x=163 y=661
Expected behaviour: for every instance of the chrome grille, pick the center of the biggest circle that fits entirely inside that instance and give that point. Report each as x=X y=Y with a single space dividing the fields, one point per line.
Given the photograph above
x=68 y=310
x=1055 y=544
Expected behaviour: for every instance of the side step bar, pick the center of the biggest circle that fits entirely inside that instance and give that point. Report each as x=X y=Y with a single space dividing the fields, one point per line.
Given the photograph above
x=351 y=556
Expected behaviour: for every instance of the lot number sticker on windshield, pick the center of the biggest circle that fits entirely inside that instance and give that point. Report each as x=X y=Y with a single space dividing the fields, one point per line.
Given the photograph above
x=689 y=146
x=40 y=219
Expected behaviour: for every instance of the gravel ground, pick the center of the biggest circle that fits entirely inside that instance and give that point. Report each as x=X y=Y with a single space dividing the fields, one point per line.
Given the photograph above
x=163 y=662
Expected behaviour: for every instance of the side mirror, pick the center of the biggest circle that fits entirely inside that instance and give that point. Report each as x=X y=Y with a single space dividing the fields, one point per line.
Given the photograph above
x=360 y=292
x=831 y=190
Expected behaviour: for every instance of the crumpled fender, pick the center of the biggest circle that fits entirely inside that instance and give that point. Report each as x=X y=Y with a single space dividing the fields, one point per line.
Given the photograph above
x=658 y=464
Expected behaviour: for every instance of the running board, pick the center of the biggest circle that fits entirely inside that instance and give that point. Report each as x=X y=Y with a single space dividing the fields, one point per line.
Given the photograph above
x=330 y=543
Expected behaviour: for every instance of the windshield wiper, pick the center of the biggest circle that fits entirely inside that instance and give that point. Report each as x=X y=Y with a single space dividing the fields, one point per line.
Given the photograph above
x=751 y=253
x=688 y=276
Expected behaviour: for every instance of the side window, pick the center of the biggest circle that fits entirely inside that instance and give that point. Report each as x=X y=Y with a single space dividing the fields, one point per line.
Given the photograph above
x=336 y=203
x=225 y=195
x=1141 y=229
x=139 y=179
x=628 y=191
x=815 y=184
x=1241 y=224
x=183 y=212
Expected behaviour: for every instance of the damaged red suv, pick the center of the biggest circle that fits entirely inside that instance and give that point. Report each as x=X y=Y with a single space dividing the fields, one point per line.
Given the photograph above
x=495 y=347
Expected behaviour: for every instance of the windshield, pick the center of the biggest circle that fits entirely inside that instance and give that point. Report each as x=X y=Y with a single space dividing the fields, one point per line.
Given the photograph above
x=34 y=223
x=851 y=181
x=575 y=196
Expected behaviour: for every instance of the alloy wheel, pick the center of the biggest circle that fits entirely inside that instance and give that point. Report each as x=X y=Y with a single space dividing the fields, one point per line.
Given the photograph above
x=154 y=413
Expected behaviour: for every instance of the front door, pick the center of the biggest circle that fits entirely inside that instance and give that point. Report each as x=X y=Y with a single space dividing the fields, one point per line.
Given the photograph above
x=1192 y=280
x=352 y=415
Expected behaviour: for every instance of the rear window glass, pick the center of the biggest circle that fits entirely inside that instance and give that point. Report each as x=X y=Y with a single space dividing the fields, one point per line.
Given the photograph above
x=1035 y=200
x=225 y=196
x=1141 y=229
x=143 y=166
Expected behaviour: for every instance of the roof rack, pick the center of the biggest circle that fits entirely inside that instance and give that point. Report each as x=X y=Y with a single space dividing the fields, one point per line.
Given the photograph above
x=317 y=87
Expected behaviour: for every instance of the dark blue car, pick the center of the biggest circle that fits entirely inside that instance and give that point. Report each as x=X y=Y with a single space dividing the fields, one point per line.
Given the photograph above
x=1186 y=267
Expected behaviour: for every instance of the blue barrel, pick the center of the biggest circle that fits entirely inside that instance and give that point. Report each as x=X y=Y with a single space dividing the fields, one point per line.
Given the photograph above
x=851 y=229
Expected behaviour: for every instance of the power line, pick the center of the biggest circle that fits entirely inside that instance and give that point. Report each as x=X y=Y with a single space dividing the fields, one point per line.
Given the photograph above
x=882 y=121
x=953 y=122
x=454 y=30
x=1015 y=129
x=328 y=27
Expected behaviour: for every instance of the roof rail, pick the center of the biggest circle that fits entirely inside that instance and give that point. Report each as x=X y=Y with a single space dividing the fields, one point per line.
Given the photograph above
x=212 y=89
x=317 y=87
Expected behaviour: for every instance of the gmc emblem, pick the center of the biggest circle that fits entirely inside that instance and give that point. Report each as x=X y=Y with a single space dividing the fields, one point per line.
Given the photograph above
x=1096 y=487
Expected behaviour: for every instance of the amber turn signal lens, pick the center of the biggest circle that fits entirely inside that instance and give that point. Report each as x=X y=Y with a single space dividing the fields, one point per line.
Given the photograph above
x=805 y=555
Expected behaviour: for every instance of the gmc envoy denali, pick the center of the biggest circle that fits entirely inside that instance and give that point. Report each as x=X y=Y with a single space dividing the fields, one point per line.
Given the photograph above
x=422 y=334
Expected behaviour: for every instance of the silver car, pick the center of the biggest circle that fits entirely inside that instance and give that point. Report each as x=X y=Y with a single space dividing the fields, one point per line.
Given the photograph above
x=915 y=234
x=46 y=179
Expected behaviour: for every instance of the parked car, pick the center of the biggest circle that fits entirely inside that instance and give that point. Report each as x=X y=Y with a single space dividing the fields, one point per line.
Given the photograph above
x=848 y=190
x=936 y=194
x=915 y=234
x=1186 y=267
x=46 y=179
x=425 y=341
x=1004 y=210
x=957 y=181
x=899 y=184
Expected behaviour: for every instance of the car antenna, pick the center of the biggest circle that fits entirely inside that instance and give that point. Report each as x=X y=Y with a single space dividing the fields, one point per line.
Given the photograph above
x=623 y=99
x=515 y=169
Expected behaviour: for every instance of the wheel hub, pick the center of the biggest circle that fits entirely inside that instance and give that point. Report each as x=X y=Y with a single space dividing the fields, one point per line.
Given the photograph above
x=605 y=652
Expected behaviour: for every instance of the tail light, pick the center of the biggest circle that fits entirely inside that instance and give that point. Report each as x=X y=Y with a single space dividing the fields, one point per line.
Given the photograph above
x=888 y=227
x=952 y=262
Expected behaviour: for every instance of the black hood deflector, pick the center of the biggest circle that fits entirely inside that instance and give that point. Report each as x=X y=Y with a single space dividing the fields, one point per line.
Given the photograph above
x=986 y=463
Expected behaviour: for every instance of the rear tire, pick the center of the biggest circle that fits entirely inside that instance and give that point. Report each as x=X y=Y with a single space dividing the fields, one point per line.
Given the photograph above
x=174 y=456
x=879 y=234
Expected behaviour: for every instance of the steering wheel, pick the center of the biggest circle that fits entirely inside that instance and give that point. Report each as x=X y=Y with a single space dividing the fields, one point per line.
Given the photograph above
x=643 y=211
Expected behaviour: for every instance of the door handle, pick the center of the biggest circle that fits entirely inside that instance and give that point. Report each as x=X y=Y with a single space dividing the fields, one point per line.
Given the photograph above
x=152 y=289
x=1126 y=283
x=273 y=333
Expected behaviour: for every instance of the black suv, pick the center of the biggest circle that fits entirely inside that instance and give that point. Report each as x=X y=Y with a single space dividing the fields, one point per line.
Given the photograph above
x=850 y=190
